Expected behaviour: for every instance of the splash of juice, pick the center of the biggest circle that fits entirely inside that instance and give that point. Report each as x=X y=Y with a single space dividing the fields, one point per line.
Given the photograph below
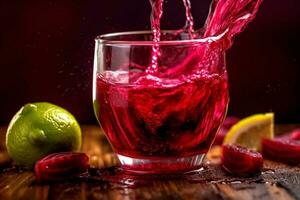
x=155 y=18
x=230 y=17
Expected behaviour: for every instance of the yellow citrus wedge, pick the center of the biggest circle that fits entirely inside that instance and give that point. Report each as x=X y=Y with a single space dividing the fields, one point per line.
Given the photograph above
x=249 y=131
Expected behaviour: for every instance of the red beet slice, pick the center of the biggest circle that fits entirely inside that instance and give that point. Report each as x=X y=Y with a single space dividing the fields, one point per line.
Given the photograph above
x=61 y=165
x=241 y=161
x=282 y=150
x=228 y=123
x=295 y=135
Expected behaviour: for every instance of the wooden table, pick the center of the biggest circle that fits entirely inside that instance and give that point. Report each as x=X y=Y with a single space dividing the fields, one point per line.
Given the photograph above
x=278 y=181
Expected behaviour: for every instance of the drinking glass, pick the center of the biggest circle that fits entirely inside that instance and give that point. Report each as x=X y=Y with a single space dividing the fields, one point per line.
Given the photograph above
x=160 y=118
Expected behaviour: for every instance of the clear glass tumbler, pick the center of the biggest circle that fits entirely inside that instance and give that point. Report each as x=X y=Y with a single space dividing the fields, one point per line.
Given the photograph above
x=164 y=120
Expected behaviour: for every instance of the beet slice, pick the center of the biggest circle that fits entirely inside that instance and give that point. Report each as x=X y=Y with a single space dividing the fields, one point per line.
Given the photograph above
x=241 y=161
x=61 y=165
x=282 y=150
x=292 y=135
x=295 y=135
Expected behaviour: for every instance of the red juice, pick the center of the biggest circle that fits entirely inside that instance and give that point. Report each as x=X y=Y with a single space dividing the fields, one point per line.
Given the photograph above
x=146 y=117
x=189 y=24
x=156 y=14
x=155 y=18
x=230 y=17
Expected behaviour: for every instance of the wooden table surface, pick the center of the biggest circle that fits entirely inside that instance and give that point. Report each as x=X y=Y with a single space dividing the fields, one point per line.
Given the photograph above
x=278 y=181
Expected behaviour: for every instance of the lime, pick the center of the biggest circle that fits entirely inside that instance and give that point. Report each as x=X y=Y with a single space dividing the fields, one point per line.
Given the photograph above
x=249 y=131
x=39 y=129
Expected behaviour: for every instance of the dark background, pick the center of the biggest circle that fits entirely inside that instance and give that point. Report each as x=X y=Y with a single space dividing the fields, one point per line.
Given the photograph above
x=46 y=53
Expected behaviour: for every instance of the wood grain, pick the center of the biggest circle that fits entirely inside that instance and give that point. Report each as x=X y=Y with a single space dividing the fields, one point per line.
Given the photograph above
x=278 y=181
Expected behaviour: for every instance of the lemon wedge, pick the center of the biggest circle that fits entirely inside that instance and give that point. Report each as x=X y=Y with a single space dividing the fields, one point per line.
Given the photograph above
x=249 y=131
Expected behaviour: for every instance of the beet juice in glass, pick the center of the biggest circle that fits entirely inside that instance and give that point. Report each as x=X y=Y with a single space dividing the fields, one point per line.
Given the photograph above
x=162 y=121
x=161 y=96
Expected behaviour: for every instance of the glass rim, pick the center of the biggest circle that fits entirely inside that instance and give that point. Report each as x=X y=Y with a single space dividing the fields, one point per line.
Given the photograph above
x=103 y=39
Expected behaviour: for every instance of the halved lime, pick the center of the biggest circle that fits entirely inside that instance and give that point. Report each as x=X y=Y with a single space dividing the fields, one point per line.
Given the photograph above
x=39 y=129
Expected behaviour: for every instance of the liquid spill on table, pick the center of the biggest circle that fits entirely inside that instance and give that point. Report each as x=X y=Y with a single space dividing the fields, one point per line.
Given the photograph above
x=117 y=178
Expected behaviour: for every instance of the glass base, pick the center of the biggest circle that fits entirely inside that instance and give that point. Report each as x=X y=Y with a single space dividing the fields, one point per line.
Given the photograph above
x=161 y=165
